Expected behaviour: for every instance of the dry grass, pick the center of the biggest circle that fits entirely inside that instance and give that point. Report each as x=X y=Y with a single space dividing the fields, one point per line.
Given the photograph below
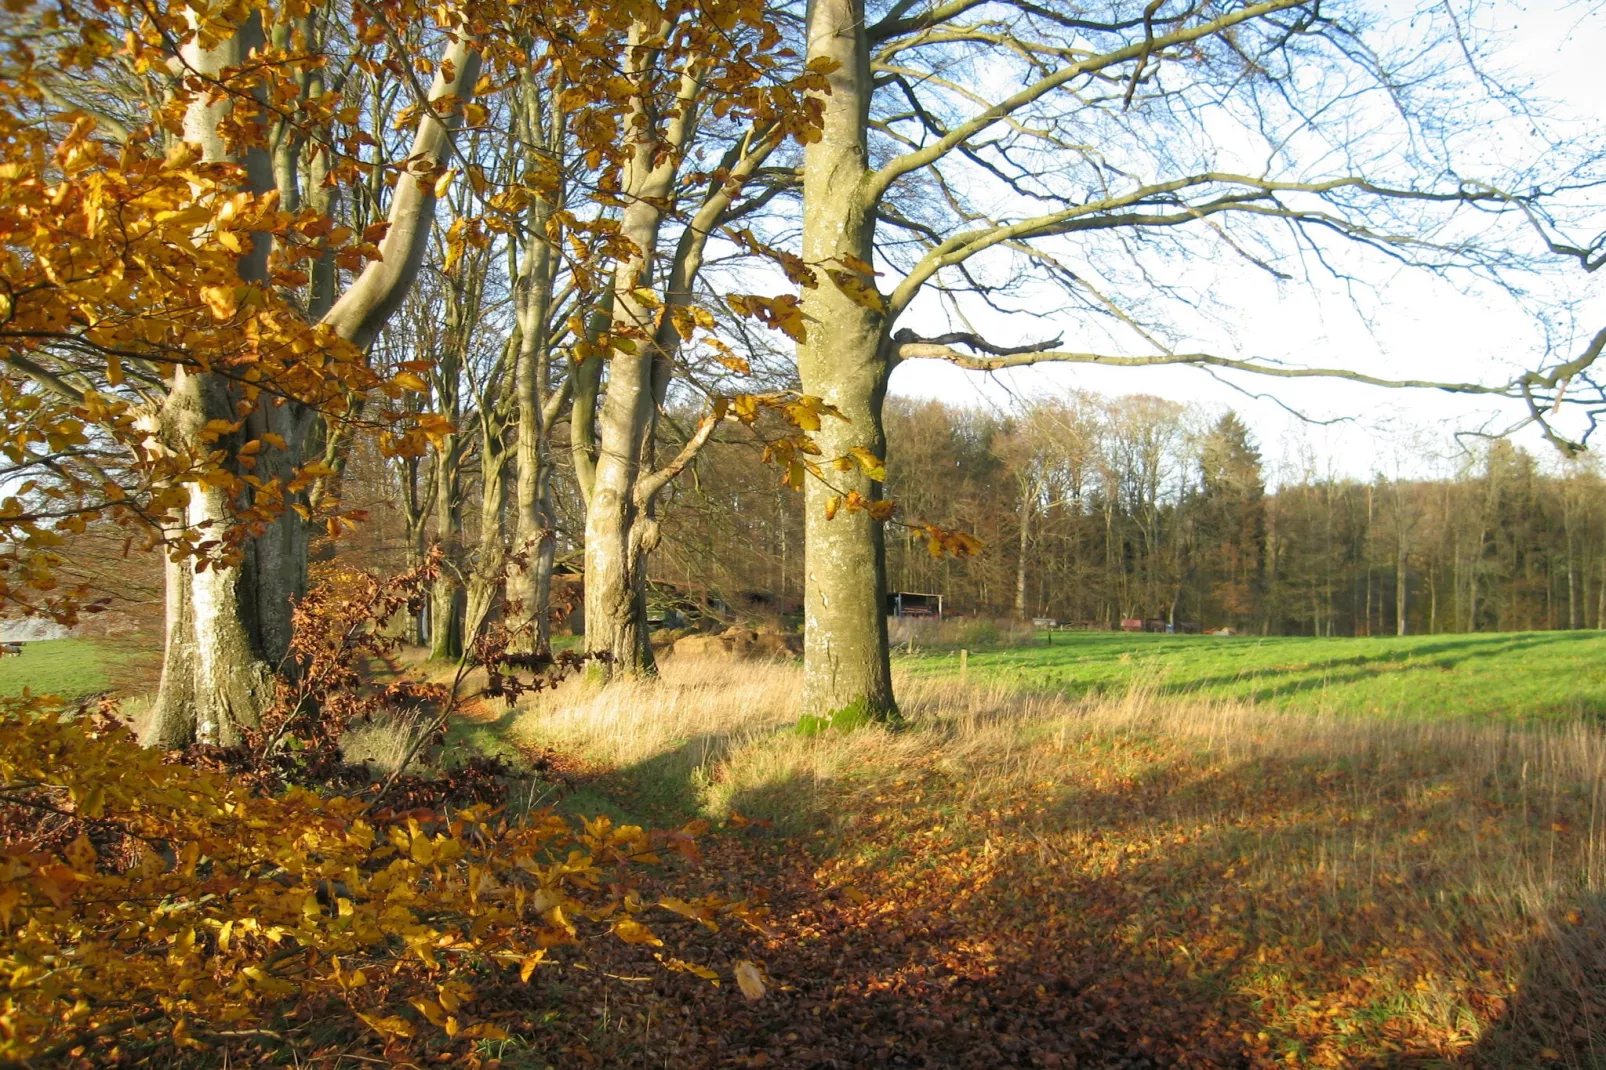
x=955 y=632
x=1362 y=892
x=383 y=743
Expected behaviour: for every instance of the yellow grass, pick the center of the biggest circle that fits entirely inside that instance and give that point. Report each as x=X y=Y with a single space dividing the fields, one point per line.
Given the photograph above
x=1365 y=889
x=382 y=743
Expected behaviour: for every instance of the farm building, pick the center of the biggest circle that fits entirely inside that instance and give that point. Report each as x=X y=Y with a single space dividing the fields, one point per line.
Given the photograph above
x=913 y=604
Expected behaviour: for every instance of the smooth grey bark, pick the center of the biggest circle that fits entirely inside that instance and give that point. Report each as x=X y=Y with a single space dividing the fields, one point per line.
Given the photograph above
x=614 y=456
x=447 y=600
x=495 y=404
x=215 y=679
x=619 y=534
x=377 y=293
x=216 y=673
x=843 y=360
x=529 y=575
x=228 y=631
x=417 y=495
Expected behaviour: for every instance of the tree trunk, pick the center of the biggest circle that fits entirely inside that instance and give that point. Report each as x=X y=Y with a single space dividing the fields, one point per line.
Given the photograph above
x=1399 y=590
x=620 y=529
x=446 y=600
x=1433 y=601
x=1028 y=500
x=490 y=554
x=618 y=535
x=215 y=679
x=228 y=631
x=529 y=578
x=1572 y=589
x=415 y=513
x=1600 y=605
x=1569 y=512
x=1454 y=609
x=216 y=668
x=844 y=361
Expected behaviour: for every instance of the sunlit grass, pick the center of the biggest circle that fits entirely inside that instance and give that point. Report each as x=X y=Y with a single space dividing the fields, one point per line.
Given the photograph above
x=1348 y=890
x=70 y=668
x=1510 y=675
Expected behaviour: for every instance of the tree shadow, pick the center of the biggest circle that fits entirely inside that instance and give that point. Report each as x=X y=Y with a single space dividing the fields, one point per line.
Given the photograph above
x=1177 y=916
x=1557 y=1014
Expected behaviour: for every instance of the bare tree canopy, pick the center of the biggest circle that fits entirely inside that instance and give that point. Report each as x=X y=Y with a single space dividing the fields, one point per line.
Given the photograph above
x=1009 y=164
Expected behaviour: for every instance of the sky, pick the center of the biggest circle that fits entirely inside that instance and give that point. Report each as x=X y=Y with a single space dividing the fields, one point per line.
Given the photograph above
x=1418 y=327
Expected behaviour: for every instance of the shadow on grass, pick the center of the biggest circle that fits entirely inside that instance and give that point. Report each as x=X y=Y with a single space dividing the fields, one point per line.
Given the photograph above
x=1397 y=657
x=1189 y=913
x=1557 y=1015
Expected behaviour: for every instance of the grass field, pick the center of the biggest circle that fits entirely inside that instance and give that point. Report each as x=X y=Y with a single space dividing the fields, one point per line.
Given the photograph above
x=1513 y=675
x=71 y=668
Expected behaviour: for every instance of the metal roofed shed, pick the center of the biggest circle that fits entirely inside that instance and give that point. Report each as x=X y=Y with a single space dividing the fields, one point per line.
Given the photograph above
x=914 y=604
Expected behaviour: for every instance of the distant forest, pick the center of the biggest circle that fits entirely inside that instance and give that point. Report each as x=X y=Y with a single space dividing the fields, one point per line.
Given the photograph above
x=1094 y=509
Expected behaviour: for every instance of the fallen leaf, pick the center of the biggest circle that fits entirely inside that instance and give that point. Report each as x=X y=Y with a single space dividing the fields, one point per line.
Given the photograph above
x=749 y=980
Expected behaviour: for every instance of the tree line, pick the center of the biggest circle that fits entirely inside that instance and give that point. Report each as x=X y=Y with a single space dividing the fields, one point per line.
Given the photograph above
x=1093 y=510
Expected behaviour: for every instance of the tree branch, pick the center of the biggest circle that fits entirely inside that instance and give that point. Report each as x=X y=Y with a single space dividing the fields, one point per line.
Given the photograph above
x=648 y=486
x=378 y=292
x=922 y=350
x=895 y=169
x=973 y=341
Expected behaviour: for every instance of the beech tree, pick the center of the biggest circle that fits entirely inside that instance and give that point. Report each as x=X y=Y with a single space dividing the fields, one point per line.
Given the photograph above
x=177 y=339
x=228 y=630
x=1231 y=529
x=1029 y=156
x=690 y=77
x=539 y=401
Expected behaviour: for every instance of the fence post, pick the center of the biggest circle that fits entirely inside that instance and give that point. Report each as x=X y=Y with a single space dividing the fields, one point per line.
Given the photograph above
x=964 y=663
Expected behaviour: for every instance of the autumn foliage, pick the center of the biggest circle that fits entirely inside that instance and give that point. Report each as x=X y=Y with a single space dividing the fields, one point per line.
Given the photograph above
x=127 y=255
x=186 y=903
x=153 y=899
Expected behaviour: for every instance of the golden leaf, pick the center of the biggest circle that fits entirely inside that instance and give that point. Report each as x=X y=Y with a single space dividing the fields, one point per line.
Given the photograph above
x=388 y=1026
x=749 y=980
x=857 y=290
x=632 y=931
x=222 y=300
x=872 y=465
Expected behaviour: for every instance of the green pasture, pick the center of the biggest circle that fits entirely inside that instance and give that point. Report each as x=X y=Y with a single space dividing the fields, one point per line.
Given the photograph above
x=71 y=668
x=1521 y=675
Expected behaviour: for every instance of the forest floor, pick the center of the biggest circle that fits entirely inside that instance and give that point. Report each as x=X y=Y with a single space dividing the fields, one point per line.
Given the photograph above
x=1016 y=878
x=1504 y=675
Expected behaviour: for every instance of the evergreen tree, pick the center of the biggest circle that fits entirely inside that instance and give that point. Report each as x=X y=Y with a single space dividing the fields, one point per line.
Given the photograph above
x=1231 y=529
